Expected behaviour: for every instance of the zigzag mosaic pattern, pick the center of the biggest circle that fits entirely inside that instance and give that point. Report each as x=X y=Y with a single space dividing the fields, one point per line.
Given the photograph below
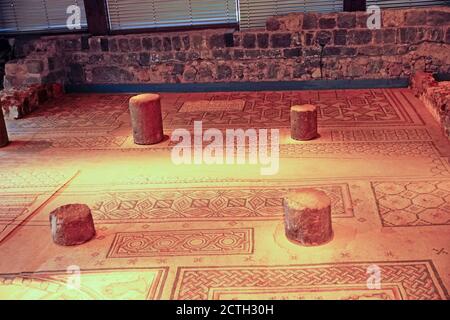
x=209 y=204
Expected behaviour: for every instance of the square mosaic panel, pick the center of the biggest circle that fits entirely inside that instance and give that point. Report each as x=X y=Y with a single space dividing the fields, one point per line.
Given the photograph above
x=412 y=280
x=214 y=105
x=182 y=243
x=413 y=203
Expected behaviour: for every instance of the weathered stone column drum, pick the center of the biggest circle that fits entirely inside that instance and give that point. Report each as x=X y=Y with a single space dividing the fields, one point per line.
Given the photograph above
x=303 y=122
x=308 y=217
x=3 y=133
x=146 y=119
x=72 y=224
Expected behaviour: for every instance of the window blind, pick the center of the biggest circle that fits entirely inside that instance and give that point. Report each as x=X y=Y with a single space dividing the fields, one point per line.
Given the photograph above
x=135 y=14
x=37 y=15
x=406 y=3
x=254 y=13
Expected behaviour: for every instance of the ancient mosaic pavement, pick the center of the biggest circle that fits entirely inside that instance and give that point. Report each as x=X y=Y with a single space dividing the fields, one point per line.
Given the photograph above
x=120 y=284
x=25 y=191
x=309 y=282
x=216 y=232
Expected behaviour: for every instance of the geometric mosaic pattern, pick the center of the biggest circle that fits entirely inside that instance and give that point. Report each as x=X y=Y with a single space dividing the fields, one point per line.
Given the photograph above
x=75 y=113
x=22 y=191
x=336 y=135
x=87 y=142
x=213 y=105
x=209 y=204
x=386 y=149
x=100 y=284
x=81 y=113
x=32 y=178
x=380 y=134
x=377 y=107
x=13 y=205
x=408 y=281
x=14 y=209
x=182 y=243
x=149 y=224
x=413 y=203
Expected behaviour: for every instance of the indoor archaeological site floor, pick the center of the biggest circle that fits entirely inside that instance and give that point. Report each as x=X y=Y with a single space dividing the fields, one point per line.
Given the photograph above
x=216 y=231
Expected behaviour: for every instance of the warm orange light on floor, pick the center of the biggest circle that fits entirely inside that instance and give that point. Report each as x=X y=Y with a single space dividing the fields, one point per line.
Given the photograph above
x=164 y=229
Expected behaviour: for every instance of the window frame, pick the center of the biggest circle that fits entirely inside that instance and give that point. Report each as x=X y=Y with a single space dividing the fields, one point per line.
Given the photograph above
x=98 y=22
x=46 y=32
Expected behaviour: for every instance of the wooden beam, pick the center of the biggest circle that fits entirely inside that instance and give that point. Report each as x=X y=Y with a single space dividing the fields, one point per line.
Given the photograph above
x=354 y=5
x=97 y=17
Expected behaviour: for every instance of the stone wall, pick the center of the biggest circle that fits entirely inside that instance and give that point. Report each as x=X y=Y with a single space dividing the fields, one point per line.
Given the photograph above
x=5 y=55
x=410 y=40
x=40 y=61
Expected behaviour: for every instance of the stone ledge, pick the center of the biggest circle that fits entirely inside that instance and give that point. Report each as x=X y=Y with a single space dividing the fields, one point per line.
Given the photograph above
x=20 y=101
x=436 y=97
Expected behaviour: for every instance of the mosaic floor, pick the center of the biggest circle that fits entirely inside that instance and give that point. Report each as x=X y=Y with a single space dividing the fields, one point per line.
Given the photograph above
x=216 y=231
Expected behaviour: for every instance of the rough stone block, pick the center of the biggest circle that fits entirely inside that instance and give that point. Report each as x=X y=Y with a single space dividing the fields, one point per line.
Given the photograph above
x=176 y=43
x=327 y=23
x=392 y=18
x=224 y=72
x=94 y=44
x=263 y=40
x=309 y=21
x=324 y=37
x=249 y=41
x=217 y=41
x=308 y=217
x=360 y=37
x=415 y=18
x=124 y=45
x=272 y=24
x=346 y=20
x=72 y=224
x=281 y=40
x=340 y=37
x=104 y=44
x=34 y=66
x=108 y=74
x=438 y=18
x=147 y=43
x=186 y=42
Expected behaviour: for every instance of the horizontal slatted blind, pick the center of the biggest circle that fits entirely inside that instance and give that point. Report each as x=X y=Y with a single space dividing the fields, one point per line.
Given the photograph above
x=254 y=13
x=37 y=15
x=406 y=3
x=132 y=14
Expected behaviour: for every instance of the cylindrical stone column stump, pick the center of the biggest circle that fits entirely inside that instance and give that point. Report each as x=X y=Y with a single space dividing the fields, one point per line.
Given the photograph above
x=72 y=224
x=308 y=217
x=146 y=119
x=3 y=133
x=303 y=122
